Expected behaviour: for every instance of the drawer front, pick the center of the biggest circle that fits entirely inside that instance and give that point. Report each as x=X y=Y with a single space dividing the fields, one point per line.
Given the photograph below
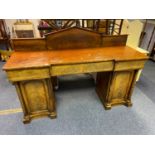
x=81 y=68
x=129 y=65
x=28 y=74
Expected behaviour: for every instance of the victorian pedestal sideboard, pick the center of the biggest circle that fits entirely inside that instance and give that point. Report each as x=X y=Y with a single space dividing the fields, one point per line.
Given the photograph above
x=35 y=64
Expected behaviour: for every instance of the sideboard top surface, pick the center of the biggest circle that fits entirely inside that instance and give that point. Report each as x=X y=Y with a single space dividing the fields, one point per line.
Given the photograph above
x=33 y=59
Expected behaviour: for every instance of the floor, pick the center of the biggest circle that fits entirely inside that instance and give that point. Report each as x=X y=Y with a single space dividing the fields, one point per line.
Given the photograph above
x=80 y=110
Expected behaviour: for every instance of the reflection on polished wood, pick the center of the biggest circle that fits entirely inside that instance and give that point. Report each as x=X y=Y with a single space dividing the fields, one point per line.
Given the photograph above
x=34 y=72
x=43 y=59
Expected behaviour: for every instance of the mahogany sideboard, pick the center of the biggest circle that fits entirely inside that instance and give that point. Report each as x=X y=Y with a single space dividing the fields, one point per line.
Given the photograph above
x=72 y=51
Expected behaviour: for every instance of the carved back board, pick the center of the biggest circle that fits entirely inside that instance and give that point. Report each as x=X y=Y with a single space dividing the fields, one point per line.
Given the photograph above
x=70 y=38
x=73 y=38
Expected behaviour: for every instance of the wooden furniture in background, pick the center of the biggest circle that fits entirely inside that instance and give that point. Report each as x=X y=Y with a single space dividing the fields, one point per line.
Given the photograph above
x=104 y=26
x=23 y=29
x=50 y=25
x=5 y=55
x=4 y=35
x=80 y=51
x=4 y=40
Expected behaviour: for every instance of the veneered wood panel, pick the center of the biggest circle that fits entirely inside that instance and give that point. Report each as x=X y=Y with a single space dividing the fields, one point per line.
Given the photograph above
x=120 y=86
x=73 y=38
x=29 y=44
x=102 y=84
x=116 y=40
x=129 y=65
x=69 y=38
x=28 y=74
x=115 y=88
x=35 y=94
x=37 y=98
x=81 y=68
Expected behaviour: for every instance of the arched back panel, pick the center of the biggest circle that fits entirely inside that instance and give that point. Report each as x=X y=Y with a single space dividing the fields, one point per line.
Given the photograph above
x=73 y=38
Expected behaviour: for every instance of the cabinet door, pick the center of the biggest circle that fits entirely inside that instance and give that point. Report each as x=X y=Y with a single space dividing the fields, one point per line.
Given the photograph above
x=37 y=98
x=121 y=86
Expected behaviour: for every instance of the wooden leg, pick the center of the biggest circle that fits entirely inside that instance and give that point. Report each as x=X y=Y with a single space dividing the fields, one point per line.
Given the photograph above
x=37 y=99
x=55 y=82
x=128 y=103
x=26 y=120
x=107 y=106
x=115 y=88
x=53 y=115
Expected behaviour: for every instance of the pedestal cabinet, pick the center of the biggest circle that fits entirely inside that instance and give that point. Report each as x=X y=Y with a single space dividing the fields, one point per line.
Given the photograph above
x=37 y=98
x=115 y=88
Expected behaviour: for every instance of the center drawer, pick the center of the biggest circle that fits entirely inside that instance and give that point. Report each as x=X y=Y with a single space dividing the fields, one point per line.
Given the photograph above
x=57 y=70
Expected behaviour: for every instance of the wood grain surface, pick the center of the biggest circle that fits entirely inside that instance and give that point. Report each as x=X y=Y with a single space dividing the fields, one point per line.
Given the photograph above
x=30 y=59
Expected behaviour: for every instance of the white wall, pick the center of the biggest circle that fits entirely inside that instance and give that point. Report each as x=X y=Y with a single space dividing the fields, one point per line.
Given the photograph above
x=133 y=28
x=10 y=22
